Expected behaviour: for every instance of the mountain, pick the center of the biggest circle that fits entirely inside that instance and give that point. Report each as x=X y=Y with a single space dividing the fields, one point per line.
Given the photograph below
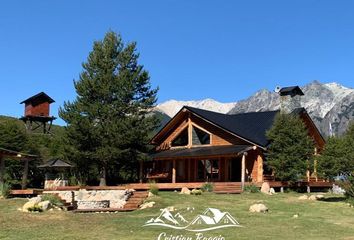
x=329 y=104
x=171 y=107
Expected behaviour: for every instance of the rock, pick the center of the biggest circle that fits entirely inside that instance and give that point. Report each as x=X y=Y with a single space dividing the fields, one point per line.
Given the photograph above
x=44 y=205
x=319 y=196
x=185 y=191
x=312 y=197
x=265 y=188
x=147 y=205
x=271 y=191
x=35 y=200
x=259 y=208
x=303 y=197
x=28 y=205
x=296 y=216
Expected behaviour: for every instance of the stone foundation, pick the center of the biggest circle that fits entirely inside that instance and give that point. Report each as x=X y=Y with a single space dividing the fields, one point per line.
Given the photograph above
x=115 y=198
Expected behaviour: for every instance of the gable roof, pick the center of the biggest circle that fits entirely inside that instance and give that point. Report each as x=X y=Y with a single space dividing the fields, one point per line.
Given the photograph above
x=55 y=163
x=249 y=126
x=39 y=97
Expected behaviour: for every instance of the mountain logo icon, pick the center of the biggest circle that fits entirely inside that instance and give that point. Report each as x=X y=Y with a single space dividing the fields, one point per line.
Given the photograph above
x=210 y=219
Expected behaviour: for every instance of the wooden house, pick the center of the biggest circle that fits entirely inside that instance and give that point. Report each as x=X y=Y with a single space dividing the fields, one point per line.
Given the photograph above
x=202 y=146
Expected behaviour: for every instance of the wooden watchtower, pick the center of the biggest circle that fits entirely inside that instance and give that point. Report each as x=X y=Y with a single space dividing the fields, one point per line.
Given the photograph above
x=37 y=113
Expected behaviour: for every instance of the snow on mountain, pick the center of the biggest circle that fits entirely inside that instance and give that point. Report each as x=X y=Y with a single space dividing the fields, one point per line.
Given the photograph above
x=171 y=107
x=328 y=104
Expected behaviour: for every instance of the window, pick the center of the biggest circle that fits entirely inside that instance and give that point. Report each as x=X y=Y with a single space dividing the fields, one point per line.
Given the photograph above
x=208 y=170
x=181 y=139
x=199 y=137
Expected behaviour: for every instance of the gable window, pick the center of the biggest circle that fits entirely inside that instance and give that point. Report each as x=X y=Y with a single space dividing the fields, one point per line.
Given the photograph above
x=181 y=139
x=200 y=137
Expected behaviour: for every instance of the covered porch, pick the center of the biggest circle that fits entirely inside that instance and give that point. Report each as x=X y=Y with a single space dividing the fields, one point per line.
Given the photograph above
x=233 y=163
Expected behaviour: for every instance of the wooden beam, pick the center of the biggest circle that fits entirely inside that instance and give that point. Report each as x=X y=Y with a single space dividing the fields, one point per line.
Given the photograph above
x=174 y=171
x=243 y=170
x=190 y=132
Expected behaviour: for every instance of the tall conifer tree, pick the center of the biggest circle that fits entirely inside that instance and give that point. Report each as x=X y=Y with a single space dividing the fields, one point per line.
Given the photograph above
x=108 y=123
x=291 y=149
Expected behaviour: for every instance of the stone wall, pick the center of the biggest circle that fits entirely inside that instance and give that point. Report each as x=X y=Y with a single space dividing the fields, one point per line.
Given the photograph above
x=116 y=198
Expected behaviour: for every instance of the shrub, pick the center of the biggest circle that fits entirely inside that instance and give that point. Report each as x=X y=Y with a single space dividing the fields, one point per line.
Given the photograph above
x=35 y=208
x=348 y=186
x=5 y=190
x=207 y=187
x=53 y=199
x=153 y=188
x=196 y=192
x=251 y=188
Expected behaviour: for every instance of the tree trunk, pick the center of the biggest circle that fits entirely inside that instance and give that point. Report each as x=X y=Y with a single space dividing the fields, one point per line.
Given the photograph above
x=25 y=175
x=103 y=177
x=2 y=169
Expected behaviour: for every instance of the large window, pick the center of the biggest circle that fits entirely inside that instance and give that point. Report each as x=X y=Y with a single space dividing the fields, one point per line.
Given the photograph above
x=208 y=170
x=181 y=139
x=199 y=137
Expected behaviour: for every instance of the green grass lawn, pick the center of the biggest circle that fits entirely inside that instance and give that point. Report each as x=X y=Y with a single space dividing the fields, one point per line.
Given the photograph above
x=317 y=219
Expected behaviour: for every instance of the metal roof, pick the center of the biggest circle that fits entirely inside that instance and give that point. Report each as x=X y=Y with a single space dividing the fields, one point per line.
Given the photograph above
x=293 y=90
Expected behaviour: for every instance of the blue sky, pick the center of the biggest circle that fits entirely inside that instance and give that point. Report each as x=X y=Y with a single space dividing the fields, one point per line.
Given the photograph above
x=225 y=50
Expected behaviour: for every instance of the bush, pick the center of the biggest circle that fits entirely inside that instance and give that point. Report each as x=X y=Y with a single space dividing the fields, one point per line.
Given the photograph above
x=35 y=208
x=153 y=188
x=348 y=186
x=251 y=188
x=196 y=192
x=53 y=199
x=5 y=190
x=207 y=187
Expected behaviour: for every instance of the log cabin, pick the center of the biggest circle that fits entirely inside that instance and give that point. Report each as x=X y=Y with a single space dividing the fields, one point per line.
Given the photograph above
x=203 y=146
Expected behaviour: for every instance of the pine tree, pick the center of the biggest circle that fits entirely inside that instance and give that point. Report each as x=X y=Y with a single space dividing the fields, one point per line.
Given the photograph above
x=109 y=122
x=291 y=149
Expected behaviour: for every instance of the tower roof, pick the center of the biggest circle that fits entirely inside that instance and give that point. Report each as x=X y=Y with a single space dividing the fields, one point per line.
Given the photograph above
x=40 y=97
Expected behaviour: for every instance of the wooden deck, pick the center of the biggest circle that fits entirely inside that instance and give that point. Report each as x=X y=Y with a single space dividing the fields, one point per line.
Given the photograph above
x=26 y=192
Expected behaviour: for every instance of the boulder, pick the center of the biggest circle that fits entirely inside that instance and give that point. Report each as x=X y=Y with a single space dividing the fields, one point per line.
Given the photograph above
x=319 y=196
x=259 y=208
x=265 y=188
x=147 y=205
x=45 y=205
x=185 y=191
x=303 y=197
x=35 y=200
x=312 y=197
x=28 y=205
x=171 y=209
x=271 y=191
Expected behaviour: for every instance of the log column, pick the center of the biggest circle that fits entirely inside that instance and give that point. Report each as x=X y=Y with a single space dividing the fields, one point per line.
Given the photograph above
x=243 y=170
x=25 y=175
x=174 y=171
